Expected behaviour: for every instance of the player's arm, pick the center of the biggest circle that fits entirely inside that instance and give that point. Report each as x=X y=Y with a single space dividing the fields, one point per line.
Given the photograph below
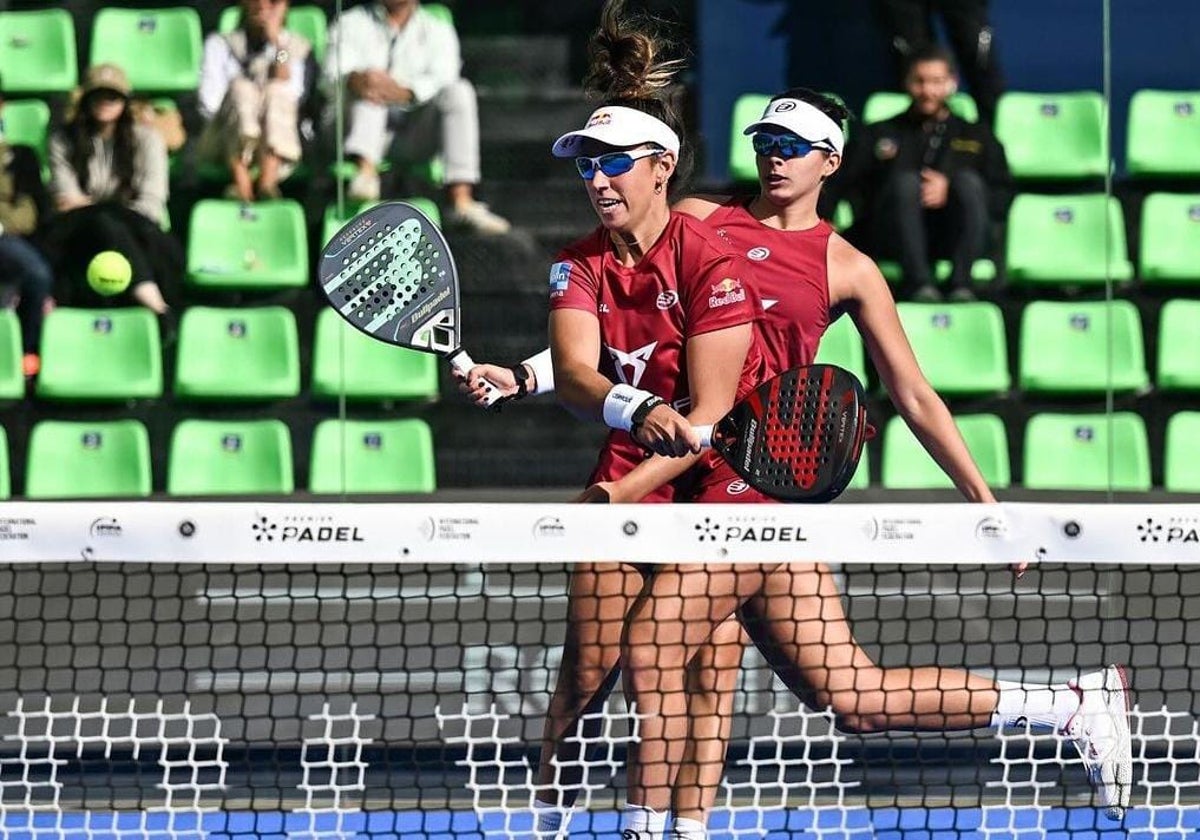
x=856 y=283
x=575 y=346
x=715 y=362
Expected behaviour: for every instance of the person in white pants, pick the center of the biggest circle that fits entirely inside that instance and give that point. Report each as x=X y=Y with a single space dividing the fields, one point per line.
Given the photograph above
x=400 y=65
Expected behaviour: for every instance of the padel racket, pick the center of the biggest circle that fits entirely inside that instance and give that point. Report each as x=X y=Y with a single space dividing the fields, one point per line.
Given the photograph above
x=390 y=273
x=798 y=436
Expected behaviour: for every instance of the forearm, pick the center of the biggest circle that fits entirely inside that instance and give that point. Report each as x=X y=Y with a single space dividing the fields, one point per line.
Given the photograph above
x=933 y=425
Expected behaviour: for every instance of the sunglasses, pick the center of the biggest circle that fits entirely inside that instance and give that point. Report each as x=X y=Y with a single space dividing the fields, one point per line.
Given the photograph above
x=612 y=164
x=786 y=146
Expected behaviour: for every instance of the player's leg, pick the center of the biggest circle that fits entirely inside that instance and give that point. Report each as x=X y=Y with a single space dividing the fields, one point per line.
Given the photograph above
x=712 y=679
x=799 y=624
x=598 y=599
x=665 y=629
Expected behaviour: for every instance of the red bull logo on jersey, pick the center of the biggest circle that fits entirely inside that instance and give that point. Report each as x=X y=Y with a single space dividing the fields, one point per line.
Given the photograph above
x=726 y=292
x=560 y=279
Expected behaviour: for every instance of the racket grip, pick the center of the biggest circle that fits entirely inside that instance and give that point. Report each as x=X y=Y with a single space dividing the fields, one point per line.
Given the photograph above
x=705 y=433
x=461 y=362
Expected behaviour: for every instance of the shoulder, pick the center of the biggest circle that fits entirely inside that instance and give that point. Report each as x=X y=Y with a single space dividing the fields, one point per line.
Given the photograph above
x=217 y=42
x=701 y=206
x=852 y=270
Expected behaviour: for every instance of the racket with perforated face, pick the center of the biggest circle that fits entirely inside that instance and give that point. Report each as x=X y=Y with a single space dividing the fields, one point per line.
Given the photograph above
x=798 y=436
x=390 y=274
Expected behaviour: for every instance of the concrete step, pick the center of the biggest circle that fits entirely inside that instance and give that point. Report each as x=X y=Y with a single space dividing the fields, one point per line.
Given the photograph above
x=540 y=113
x=554 y=206
x=517 y=62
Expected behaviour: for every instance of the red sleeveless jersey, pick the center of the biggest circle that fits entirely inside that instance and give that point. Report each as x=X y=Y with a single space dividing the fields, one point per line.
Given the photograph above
x=791 y=269
x=687 y=284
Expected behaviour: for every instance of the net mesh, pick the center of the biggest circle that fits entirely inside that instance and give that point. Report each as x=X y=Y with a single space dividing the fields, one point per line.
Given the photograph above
x=408 y=699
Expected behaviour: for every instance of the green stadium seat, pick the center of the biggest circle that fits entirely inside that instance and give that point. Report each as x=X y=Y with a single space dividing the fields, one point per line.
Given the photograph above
x=348 y=363
x=885 y=104
x=372 y=456
x=248 y=247
x=1179 y=346
x=1053 y=135
x=1072 y=452
x=160 y=49
x=1182 y=467
x=5 y=481
x=960 y=346
x=100 y=355
x=1062 y=240
x=1170 y=251
x=230 y=458
x=26 y=122
x=249 y=353
x=308 y=21
x=37 y=51
x=983 y=271
x=1163 y=137
x=77 y=460
x=841 y=345
x=1082 y=347
x=12 y=376
x=907 y=466
x=332 y=221
x=746 y=109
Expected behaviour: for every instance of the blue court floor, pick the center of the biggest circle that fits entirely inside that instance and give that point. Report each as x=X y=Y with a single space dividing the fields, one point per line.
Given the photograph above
x=852 y=824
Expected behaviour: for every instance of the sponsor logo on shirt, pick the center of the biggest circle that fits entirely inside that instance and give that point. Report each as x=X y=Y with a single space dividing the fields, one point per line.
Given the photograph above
x=560 y=278
x=737 y=487
x=667 y=299
x=603 y=308
x=758 y=254
x=768 y=303
x=726 y=292
x=631 y=365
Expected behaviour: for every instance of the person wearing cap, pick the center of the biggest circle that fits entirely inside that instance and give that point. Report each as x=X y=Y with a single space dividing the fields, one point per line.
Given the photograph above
x=253 y=82
x=108 y=181
x=927 y=183
x=398 y=66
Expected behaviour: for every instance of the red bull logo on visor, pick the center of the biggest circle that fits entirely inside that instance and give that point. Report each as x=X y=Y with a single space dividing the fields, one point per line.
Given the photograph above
x=726 y=292
x=601 y=118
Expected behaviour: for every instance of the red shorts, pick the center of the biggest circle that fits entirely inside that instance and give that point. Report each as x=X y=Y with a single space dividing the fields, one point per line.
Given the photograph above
x=712 y=480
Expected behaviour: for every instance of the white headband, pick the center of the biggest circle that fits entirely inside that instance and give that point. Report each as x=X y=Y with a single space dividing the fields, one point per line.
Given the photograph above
x=802 y=119
x=615 y=125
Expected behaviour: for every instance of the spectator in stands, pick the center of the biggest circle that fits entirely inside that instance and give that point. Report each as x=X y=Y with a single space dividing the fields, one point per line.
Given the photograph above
x=108 y=180
x=926 y=183
x=23 y=203
x=252 y=86
x=909 y=27
x=399 y=66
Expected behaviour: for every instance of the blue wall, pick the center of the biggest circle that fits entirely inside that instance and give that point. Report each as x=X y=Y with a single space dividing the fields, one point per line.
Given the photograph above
x=765 y=45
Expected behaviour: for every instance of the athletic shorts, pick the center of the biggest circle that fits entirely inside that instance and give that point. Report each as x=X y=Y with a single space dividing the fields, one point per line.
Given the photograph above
x=710 y=481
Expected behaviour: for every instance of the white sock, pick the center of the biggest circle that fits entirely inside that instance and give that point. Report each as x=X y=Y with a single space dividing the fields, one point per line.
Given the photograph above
x=1043 y=706
x=648 y=823
x=688 y=829
x=547 y=820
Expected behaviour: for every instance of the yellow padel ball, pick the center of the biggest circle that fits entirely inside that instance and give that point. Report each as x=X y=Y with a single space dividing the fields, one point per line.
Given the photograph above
x=109 y=273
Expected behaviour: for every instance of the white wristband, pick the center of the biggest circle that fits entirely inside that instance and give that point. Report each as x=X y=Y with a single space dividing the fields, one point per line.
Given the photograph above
x=543 y=372
x=620 y=404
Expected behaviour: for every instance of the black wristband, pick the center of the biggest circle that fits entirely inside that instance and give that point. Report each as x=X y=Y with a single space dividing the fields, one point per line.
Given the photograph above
x=643 y=411
x=520 y=374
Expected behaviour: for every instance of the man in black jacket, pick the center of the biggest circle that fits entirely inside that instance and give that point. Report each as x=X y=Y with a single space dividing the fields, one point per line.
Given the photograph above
x=927 y=183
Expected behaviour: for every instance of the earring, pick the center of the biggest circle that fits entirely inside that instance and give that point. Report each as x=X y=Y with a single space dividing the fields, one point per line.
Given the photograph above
x=658 y=187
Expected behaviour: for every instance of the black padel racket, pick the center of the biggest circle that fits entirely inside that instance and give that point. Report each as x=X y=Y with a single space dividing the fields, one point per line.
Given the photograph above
x=390 y=273
x=798 y=436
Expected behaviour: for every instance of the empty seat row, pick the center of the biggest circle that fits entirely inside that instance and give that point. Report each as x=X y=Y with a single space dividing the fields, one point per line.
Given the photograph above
x=1069 y=347
x=247 y=354
x=1046 y=136
x=1060 y=452
x=159 y=48
x=68 y=459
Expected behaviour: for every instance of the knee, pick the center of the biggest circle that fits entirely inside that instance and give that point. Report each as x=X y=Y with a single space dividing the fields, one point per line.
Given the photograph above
x=903 y=187
x=457 y=94
x=243 y=93
x=968 y=184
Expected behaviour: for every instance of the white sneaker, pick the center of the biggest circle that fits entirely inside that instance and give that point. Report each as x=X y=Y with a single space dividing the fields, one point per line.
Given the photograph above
x=479 y=218
x=364 y=186
x=1100 y=731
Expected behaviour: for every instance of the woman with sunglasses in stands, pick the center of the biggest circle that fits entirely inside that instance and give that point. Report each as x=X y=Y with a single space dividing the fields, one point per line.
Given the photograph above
x=807 y=275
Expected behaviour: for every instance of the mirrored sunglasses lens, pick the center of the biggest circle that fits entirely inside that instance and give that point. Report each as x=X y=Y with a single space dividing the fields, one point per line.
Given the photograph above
x=586 y=167
x=617 y=164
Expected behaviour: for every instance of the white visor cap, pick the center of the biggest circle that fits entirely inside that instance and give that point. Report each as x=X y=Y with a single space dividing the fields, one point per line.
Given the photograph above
x=803 y=120
x=615 y=125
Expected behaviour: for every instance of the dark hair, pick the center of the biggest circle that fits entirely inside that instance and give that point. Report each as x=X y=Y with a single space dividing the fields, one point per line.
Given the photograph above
x=83 y=127
x=827 y=104
x=626 y=68
x=929 y=52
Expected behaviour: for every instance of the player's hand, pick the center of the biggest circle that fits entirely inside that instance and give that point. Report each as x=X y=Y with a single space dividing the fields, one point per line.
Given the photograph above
x=598 y=493
x=935 y=189
x=667 y=432
x=1020 y=568
x=474 y=386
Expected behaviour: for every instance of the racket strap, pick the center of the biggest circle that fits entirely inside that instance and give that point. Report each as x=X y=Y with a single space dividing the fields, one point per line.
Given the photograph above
x=520 y=373
x=642 y=412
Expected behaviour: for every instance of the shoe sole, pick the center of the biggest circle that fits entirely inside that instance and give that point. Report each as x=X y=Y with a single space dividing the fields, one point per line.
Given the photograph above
x=1124 y=776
